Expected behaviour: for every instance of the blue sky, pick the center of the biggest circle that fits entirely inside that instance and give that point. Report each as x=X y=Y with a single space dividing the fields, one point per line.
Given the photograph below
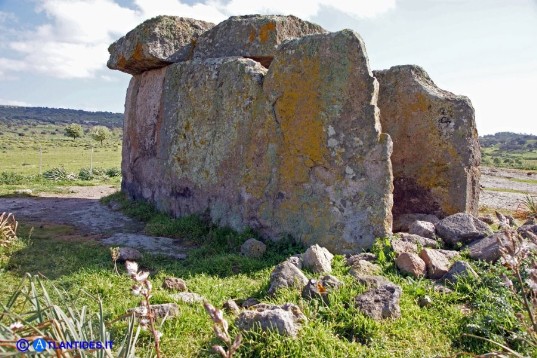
x=53 y=52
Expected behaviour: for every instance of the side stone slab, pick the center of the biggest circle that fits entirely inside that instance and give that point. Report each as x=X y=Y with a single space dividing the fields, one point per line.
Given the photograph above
x=436 y=153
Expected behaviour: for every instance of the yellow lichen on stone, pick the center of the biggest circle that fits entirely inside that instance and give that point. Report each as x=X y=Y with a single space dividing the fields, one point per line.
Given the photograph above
x=264 y=31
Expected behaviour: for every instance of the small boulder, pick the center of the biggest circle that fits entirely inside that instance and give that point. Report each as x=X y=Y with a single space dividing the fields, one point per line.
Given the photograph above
x=449 y=254
x=462 y=227
x=188 y=297
x=425 y=301
x=422 y=228
x=418 y=240
x=527 y=230
x=23 y=192
x=231 y=307
x=286 y=275
x=400 y=246
x=296 y=260
x=249 y=302
x=331 y=282
x=403 y=222
x=253 y=248
x=486 y=249
x=372 y=281
x=362 y=267
x=317 y=259
x=285 y=319
x=366 y=256
x=128 y=254
x=457 y=270
x=174 y=284
x=411 y=264
x=489 y=219
x=160 y=310
x=381 y=302
x=315 y=289
x=437 y=264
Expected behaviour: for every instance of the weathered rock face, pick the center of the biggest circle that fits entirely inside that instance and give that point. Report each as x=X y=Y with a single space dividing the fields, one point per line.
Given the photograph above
x=252 y=36
x=436 y=151
x=156 y=43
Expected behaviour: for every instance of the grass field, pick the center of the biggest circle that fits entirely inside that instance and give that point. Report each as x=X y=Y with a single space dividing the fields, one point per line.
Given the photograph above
x=521 y=159
x=24 y=148
x=216 y=270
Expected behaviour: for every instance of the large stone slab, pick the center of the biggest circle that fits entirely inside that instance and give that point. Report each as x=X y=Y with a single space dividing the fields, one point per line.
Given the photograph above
x=295 y=151
x=156 y=43
x=252 y=36
x=436 y=153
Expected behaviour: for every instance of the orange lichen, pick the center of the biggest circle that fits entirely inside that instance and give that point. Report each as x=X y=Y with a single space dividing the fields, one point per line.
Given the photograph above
x=138 y=53
x=251 y=37
x=122 y=62
x=264 y=31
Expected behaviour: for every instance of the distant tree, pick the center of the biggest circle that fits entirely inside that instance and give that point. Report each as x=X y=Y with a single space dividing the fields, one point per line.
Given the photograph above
x=100 y=133
x=74 y=131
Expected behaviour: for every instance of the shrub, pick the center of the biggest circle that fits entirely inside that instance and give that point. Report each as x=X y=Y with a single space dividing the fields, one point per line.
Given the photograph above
x=113 y=172
x=8 y=178
x=58 y=174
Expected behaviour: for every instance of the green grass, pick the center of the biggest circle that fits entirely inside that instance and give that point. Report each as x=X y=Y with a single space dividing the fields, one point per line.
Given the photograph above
x=528 y=181
x=519 y=159
x=506 y=190
x=215 y=270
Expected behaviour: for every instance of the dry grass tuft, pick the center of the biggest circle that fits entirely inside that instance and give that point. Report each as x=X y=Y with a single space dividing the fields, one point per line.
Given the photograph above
x=8 y=229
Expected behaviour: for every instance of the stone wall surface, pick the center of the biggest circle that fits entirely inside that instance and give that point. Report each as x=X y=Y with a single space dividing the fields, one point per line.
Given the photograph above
x=273 y=125
x=436 y=153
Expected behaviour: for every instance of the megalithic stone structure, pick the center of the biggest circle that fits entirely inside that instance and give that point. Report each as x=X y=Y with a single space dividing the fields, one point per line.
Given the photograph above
x=272 y=123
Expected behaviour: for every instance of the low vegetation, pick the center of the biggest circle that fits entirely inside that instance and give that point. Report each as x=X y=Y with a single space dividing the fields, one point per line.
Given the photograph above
x=509 y=150
x=479 y=316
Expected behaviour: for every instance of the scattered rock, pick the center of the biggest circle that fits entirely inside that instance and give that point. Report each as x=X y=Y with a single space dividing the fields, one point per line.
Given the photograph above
x=419 y=240
x=162 y=310
x=410 y=263
x=253 y=248
x=511 y=220
x=381 y=302
x=442 y=289
x=489 y=219
x=530 y=221
x=422 y=228
x=400 y=246
x=372 y=281
x=128 y=254
x=174 y=284
x=114 y=205
x=23 y=192
x=449 y=254
x=156 y=43
x=425 y=301
x=285 y=319
x=503 y=221
x=286 y=275
x=487 y=249
x=154 y=245
x=458 y=269
x=296 y=260
x=249 y=302
x=437 y=264
x=315 y=289
x=188 y=297
x=462 y=227
x=362 y=267
x=527 y=229
x=366 y=256
x=403 y=222
x=231 y=307
x=317 y=259
x=331 y=282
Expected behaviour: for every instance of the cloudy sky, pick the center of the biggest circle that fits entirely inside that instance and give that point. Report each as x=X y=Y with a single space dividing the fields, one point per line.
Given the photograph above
x=53 y=52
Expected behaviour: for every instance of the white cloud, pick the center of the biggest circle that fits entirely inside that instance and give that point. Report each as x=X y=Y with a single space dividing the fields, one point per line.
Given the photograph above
x=73 y=42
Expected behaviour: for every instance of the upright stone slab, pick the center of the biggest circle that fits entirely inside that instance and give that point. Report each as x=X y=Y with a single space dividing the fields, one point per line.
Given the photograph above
x=140 y=167
x=156 y=43
x=334 y=174
x=253 y=36
x=436 y=152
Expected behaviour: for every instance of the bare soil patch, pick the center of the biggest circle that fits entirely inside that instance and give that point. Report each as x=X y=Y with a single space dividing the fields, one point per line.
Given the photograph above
x=506 y=188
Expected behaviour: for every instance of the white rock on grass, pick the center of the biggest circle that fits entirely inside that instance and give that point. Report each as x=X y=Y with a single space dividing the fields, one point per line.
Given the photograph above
x=422 y=228
x=317 y=259
x=436 y=262
x=411 y=264
x=286 y=319
x=381 y=302
x=286 y=275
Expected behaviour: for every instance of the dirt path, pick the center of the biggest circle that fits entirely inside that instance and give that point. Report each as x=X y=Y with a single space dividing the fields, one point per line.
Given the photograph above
x=79 y=208
x=506 y=188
